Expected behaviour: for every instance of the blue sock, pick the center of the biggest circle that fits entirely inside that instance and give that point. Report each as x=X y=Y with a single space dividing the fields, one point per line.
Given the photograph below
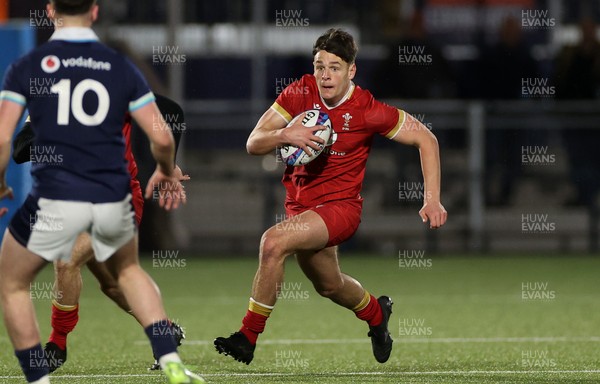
x=161 y=338
x=33 y=363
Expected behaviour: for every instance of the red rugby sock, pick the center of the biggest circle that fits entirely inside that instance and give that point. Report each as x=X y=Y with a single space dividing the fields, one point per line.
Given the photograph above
x=64 y=320
x=369 y=310
x=255 y=320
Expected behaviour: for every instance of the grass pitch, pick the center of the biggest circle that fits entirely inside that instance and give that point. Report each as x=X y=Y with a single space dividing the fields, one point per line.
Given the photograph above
x=501 y=319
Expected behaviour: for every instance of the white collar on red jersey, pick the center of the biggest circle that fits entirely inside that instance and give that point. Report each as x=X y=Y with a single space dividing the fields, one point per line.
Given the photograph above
x=346 y=97
x=75 y=34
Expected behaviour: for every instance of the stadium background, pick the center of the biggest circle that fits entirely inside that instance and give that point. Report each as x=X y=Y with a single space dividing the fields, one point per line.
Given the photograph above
x=516 y=124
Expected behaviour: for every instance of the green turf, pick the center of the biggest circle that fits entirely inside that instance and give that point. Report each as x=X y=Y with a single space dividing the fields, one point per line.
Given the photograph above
x=467 y=317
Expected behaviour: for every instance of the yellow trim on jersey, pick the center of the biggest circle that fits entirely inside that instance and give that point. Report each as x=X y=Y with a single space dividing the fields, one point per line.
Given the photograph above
x=353 y=86
x=402 y=116
x=279 y=109
x=28 y=119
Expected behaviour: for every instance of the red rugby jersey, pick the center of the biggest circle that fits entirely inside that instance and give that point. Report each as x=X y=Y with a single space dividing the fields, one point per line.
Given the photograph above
x=131 y=164
x=339 y=171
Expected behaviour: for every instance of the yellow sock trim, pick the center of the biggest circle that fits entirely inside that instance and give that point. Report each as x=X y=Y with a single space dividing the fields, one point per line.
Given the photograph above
x=261 y=309
x=363 y=303
x=66 y=308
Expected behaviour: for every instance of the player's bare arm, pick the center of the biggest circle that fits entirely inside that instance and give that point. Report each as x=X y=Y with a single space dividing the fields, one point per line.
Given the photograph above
x=414 y=133
x=162 y=142
x=10 y=113
x=163 y=151
x=271 y=132
x=5 y=192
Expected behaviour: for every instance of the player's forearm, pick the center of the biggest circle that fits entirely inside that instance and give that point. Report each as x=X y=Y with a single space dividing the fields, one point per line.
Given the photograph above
x=415 y=133
x=162 y=144
x=263 y=142
x=268 y=134
x=430 y=166
x=4 y=158
x=164 y=155
x=10 y=113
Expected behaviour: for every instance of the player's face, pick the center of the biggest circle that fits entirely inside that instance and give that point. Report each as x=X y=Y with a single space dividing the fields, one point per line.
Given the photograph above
x=333 y=76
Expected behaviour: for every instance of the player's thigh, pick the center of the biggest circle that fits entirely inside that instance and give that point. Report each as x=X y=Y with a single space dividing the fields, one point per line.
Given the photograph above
x=322 y=268
x=305 y=231
x=342 y=218
x=124 y=257
x=18 y=265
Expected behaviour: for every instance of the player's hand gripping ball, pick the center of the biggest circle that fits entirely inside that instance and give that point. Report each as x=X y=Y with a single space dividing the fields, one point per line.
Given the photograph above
x=295 y=156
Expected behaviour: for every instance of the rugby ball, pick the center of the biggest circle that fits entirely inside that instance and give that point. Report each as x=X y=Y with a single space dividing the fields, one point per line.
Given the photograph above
x=295 y=156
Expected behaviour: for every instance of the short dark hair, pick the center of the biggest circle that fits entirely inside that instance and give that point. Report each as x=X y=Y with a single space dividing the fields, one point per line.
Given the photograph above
x=72 y=7
x=338 y=42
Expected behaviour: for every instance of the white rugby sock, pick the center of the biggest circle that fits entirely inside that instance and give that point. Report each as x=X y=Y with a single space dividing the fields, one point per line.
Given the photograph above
x=43 y=380
x=169 y=358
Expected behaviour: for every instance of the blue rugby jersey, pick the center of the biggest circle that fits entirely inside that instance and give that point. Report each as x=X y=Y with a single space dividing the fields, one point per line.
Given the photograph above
x=78 y=92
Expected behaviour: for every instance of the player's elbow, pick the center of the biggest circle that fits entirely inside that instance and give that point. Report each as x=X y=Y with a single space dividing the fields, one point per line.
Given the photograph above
x=253 y=148
x=433 y=141
x=249 y=147
x=427 y=141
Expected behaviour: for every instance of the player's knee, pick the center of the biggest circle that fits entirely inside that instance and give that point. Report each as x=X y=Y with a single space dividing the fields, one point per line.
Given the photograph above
x=112 y=291
x=109 y=285
x=271 y=246
x=329 y=290
x=65 y=267
x=9 y=286
x=6 y=288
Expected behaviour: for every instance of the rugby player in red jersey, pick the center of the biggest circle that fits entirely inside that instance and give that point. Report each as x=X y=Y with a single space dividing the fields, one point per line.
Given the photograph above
x=323 y=197
x=68 y=282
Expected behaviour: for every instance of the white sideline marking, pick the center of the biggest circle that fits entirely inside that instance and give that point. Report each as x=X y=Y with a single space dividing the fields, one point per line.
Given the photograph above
x=414 y=340
x=332 y=374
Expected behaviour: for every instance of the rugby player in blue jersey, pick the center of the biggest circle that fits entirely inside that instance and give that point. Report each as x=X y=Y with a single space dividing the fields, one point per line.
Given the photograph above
x=88 y=190
x=68 y=281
